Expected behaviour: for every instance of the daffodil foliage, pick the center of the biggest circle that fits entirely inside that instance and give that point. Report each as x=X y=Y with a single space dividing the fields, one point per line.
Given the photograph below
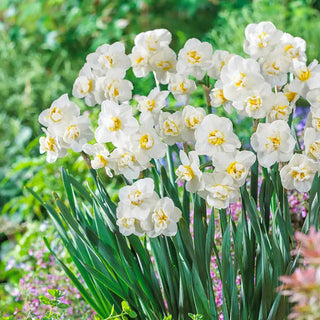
x=183 y=167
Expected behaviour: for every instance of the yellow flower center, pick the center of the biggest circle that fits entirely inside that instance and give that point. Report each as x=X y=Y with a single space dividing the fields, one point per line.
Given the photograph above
x=193 y=57
x=116 y=124
x=55 y=114
x=146 y=142
x=135 y=197
x=113 y=90
x=218 y=94
x=314 y=150
x=299 y=173
x=73 y=131
x=151 y=104
x=192 y=122
x=290 y=95
x=102 y=160
x=239 y=80
x=216 y=138
x=236 y=170
x=261 y=37
x=304 y=74
x=170 y=128
x=50 y=144
x=280 y=110
x=139 y=60
x=126 y=159
x=160 y=216
x=165 y=65
x=274 y=143
x=254 y=103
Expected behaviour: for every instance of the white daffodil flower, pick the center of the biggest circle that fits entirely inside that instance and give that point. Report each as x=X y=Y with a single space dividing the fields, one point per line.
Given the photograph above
x=116 y=123
x=219 y=59
x=151 y=105
x=123 y=161
x=60 y=113
x=237 y=164
x=215 y=134
x=312 y=143
x=291 y=94
x=109 y=58
x=307 y=77
x=239 y=77
x=194 y=58
x=163 y=219
x=113 y=88
x=261 y=38
x=127 y=224
x=278 y=107
x=189 y=171
x=218 y=99
x=313 y=97
x=275 y=68
x=153 y=40
x=181 y=87
x=147 y=145
x=293 y=48
x=100 y=156
x=298 y=173
x=163 y=63
x=254 y=105
x=51 y=145
x=140 y=62
x=273 y=142
x=77 y=133
x=139 y=198
x=170 y=127
x=191 y=118
x=84 y=86
x=220 y=190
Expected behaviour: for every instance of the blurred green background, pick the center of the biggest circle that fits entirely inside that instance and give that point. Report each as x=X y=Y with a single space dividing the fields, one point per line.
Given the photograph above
x=43 y=45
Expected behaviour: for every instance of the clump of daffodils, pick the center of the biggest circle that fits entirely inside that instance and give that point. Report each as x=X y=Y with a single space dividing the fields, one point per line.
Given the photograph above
x=131 y=137
x=303 y=286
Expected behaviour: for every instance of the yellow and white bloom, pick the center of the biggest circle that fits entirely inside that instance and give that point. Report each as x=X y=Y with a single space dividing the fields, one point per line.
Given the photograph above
x=291 y=94
x=100 y=156
x=109 y=58
x=140 y=61
x=194 y=58
x=181 y=87
x=220 y=190
x=116 y=123
x=273 y=142
x=261 y=38
x=218 y=99
x=298 y=173
x=170 y=127
x=151 y=105
x=151 y=41
x=84 y=86
x=163 y=63
x=189 y=171
x=163 y=219
x=237 y=164
x=215 y=134
x=219 y=59
x=113 y=88
x=278 y=107
x=312 y=143
x=191 y=118
x=51 y=145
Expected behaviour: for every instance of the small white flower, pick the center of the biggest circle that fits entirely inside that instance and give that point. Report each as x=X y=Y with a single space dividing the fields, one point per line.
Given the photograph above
x=153 y=40
x=128 y=225
x=163 y=62
x=181 y=87
x=195 y=58
x=312 y=143
x=51 y=145
x=278 y=107
x=84 y=86
x=100 y=156
x=273 y=142
x=215 y=134
x=291 y=94
x=113 y=88
x=239 y=77
x=218 y=99
x=191 y=118
x=151 y=105
x=237 y=164
x=60 y=113
x=293 y=48
x=189 y=171
x=220 y=189
x=163 y=219
x=123 y=161
x=170 y=127
x=307 y=77
x=77 y=133
x=140 y=62
x=116 y=123
x=219 y=59
x=109 y=58
x=298 y=173
x=261 y=38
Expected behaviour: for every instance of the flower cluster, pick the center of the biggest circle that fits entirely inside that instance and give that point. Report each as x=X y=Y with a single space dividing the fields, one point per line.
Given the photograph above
x=130 y=140
x=303 y=286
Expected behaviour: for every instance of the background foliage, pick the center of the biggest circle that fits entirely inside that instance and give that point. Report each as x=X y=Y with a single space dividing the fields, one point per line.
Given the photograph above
x=44 y=44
